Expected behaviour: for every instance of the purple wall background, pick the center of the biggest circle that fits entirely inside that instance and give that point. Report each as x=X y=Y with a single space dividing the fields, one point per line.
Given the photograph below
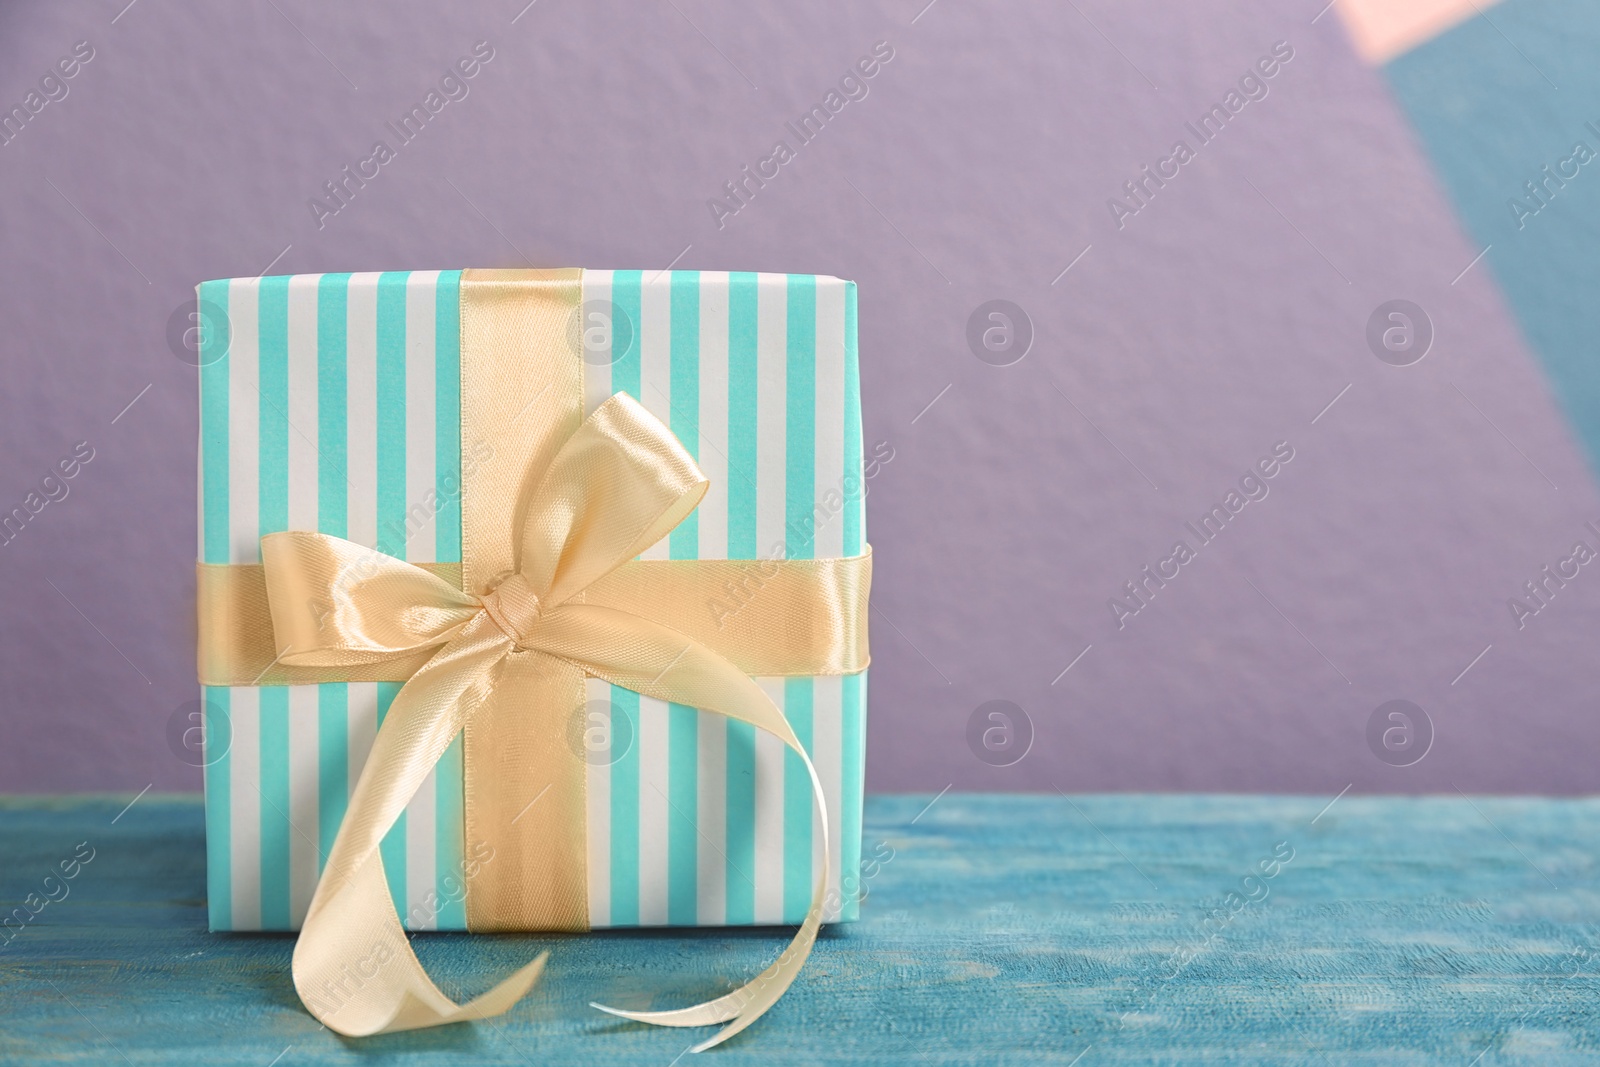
x=1221 y=320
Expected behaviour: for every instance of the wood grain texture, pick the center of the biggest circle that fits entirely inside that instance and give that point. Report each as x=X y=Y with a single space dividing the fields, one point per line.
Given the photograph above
x=1004 y=929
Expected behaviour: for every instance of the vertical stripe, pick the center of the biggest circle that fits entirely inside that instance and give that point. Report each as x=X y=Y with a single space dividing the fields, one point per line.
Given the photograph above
x=391 y=414
x=800 y=526
x=800 y=417
x=825 y=754
x=392 y=483
x=772 y=537
x=767 y=868
x=244 y=721
x=771 y=412
x=855 y=526
x=852 y=688
x=625 y=814
x=713 y=418
x=214 y=431
x=829 y=490
x=272 y=463
x=711 y=906
x=272 y=710
x=294 y=818
x=393 y=847
x=595 y=338
x=275 y=804
x=655 y=812
x=625 y=297
x=219 y=810
x=333 y=763
x=683 y=835
x=743 y=387
x=798 y=805
x=332 y=452
x=244 y=424
x=301 y=755
x=328 y=756
x=832 y=493
x=421 y=490
x=213 y=548
x=683 y=721
x=740 y=753
x=448 y=445
x=361 y=410
x=599 y=799
x=685 y=391
x=656 y=379
x=301 y=388
x=740 y=784
x=852 y=759
x=711 y=763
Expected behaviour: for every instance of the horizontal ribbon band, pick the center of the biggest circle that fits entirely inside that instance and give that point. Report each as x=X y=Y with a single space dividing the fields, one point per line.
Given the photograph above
x=767 y=617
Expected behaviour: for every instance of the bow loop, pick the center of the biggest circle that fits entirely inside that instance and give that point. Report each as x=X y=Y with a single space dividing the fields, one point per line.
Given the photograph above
x=335 y=603
x=616 y=487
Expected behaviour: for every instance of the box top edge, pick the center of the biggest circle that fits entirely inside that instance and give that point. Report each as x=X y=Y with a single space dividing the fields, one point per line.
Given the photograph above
x=653 y=274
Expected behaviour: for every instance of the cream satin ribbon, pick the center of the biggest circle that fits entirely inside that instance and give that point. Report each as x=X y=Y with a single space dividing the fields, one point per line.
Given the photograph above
x=769 y=617
x=619 y=484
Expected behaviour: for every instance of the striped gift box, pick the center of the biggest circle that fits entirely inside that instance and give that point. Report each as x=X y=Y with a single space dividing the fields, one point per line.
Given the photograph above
x=331 y=403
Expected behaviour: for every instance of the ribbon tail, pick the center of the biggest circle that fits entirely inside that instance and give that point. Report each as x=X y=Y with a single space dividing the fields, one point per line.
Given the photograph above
x=659 y=662
x=750 y=1001
x=355 y=970
x=354 y=967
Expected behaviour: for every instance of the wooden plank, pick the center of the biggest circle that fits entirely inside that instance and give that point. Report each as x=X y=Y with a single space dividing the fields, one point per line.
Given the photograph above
x=998 y=929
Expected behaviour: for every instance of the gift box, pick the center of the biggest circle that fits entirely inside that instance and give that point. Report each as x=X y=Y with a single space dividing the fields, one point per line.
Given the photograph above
x=345 y=404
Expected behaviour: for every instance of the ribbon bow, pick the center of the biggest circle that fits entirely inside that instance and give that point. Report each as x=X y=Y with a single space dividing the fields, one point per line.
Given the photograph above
x=619 y=484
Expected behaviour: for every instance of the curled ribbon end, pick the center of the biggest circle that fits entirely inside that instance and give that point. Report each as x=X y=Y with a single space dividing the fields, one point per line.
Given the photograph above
x=513 y=988
x=504 y=996
x=699 y=1015
x=663 y=1019
x=715 y=1039
x=631 y=1016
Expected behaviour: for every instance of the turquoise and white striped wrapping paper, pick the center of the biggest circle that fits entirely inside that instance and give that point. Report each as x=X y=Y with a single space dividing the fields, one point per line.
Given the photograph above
x=336 y=407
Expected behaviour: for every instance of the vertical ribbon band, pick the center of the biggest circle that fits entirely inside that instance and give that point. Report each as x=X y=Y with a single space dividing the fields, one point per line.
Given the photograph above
x=522 y=395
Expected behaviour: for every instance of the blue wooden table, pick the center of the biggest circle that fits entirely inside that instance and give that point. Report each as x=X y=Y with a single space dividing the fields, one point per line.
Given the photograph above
x=998 y=929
